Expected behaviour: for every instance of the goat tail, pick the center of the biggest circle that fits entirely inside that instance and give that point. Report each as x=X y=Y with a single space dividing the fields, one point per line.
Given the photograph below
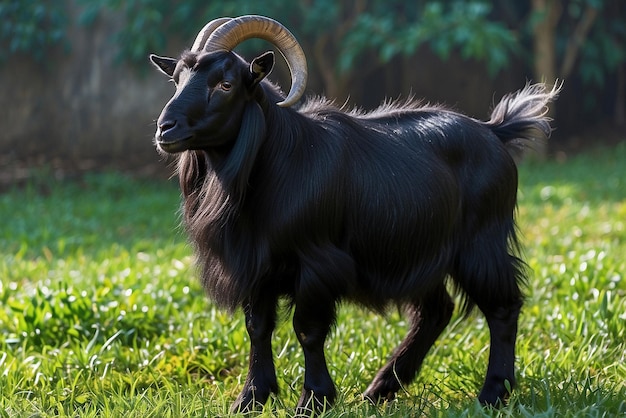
x=521 y=119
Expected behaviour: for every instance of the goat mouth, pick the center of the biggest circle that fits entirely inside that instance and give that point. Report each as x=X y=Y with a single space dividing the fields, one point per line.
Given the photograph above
x=176 y=146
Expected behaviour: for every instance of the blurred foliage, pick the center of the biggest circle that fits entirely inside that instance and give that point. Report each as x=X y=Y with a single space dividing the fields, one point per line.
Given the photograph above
x=31 y=26
x=489 y=31
x=604 y=50
x=149 y=23
x=400 y=27
x=390 y=27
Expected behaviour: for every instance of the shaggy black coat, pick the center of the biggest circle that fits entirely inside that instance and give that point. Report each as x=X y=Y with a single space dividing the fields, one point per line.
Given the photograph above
x=372 y=207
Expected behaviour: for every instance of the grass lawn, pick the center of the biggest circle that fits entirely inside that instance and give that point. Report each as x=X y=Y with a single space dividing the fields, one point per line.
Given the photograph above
x=101 y=313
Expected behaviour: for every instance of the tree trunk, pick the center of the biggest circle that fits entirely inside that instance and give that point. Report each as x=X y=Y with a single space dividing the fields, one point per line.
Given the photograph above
x=544 y=42
x=619 y=118
x=544 y=48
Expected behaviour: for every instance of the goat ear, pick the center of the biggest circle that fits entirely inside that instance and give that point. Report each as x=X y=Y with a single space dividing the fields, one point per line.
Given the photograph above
x=260 y=67
x=164 y=64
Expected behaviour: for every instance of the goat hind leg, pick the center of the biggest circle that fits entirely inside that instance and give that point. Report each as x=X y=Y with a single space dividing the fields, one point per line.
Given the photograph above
x=491 y=282
x=429 y=317
x=501 y=369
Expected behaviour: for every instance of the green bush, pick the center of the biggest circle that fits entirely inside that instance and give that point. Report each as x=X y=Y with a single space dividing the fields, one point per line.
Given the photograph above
x=31 y=27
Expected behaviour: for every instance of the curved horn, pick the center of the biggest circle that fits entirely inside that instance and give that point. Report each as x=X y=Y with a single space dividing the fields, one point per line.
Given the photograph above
x=239 y=29
x=206 y=31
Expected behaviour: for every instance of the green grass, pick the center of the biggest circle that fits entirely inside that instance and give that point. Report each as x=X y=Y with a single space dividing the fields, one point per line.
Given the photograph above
x=101 y=313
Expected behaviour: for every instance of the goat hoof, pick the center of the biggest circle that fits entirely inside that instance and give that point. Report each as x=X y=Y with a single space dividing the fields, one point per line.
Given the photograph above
x=243 y=407
x=248 y=401
x=379 y=398
x=494 y=401
x=311 y=404
x=381 y=390
x=495 y=394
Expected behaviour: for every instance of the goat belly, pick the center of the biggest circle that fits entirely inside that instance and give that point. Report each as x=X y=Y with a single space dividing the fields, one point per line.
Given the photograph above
x=401 y=253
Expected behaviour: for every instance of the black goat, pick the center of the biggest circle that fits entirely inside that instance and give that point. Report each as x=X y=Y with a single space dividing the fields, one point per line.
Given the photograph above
x=321 y=205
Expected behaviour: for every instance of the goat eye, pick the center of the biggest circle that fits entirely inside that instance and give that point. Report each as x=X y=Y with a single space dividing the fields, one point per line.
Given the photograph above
x=225 y=85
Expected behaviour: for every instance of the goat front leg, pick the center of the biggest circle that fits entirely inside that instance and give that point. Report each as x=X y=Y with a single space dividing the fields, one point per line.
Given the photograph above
x=261 y=380
x=312 y=321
